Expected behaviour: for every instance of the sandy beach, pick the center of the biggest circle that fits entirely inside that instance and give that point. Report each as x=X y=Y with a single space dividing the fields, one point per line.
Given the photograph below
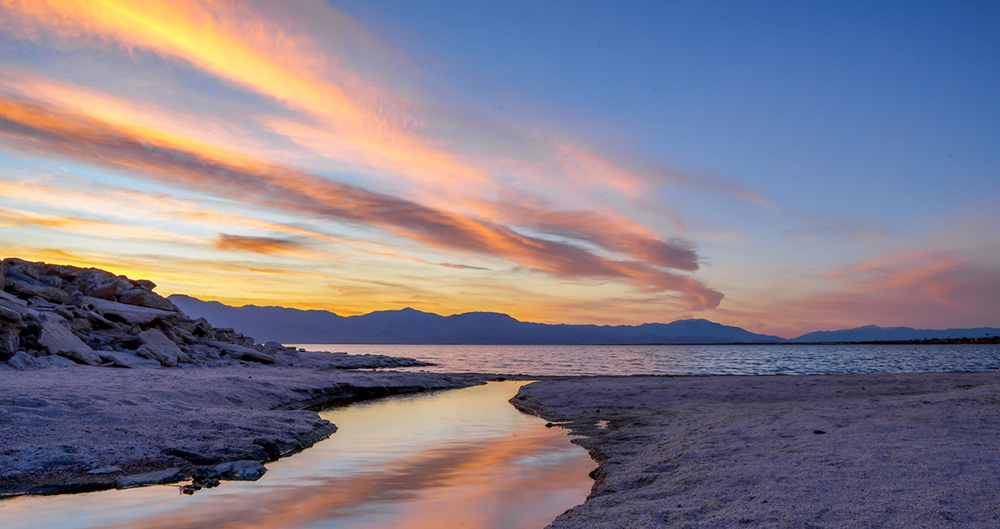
x=831 y=451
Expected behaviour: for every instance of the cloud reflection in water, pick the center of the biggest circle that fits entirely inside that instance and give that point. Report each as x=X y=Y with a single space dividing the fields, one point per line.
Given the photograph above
x=462 y=458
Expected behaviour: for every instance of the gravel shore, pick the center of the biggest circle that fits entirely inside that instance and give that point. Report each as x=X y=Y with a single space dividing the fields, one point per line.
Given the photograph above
x=831 y=451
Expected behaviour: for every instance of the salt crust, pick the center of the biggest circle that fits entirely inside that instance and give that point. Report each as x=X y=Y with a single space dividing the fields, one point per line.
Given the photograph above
x=69 y=429
x=831 y=451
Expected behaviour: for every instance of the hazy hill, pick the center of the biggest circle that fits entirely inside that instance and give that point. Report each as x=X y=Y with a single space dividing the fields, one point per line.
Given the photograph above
x=874 y=333
x=409 y=326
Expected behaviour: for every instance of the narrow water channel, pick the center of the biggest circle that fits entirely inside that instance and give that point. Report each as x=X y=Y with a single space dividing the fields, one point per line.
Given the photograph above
x=461 y=458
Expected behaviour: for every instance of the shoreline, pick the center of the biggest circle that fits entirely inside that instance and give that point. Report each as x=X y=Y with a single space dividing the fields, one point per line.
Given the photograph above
x=821 y=451
x=82 y=428
x=850 y=450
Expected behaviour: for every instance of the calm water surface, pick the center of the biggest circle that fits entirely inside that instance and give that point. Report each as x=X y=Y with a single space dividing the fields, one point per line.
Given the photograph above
x=462 y=458
x=690 y=359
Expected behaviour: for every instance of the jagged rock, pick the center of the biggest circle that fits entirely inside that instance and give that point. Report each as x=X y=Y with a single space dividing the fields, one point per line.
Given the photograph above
x=97 y=283
x=203 y=352
x=157 y=346
x=95 y=319
x=203 y=329
x=130 y=314
x=11 y=316
x=134 y=296
x=27 y=286
x=124 y=284
x=156 y=301
x=52 y=281
x=20 y=266
x=50 y=314
x=241 y=352
x=44 y=362
x=81 y=326
x=13 y=302
x=145 y=298
x=9 y=342
x=66 y=311
x=122 y=359
x=65 y=272
x=41 y=304
x=59 y=340
x=21 y=360
x=246 y=470
x=181 y=336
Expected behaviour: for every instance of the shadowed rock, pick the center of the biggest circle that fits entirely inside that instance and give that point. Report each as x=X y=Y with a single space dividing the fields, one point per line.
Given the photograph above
x=158 y=347
x=58 y=339
x=124 y=313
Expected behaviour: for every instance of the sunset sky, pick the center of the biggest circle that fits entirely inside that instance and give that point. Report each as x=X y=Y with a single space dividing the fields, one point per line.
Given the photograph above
x=781 y=166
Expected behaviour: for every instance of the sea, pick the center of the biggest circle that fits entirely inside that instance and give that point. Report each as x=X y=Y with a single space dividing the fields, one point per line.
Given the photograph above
x=782 y=359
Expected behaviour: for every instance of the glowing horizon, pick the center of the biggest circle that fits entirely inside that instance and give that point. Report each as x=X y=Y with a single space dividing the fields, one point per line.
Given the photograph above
x=357 y=157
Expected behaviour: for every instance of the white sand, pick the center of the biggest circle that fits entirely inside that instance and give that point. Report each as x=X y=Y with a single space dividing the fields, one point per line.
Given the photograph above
x=899 y=451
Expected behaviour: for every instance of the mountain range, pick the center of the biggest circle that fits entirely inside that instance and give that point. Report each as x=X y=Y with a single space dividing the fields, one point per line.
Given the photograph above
x=409 y=326
x=874 y=333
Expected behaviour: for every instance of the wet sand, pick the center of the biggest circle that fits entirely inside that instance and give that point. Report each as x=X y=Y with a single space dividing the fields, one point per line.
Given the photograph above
x=830 y=451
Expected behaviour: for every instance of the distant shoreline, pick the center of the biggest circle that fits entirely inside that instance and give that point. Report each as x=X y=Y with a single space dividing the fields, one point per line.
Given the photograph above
x=992 y=340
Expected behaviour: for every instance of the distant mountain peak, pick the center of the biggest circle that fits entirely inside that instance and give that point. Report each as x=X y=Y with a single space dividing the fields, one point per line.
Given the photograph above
x=409 y=325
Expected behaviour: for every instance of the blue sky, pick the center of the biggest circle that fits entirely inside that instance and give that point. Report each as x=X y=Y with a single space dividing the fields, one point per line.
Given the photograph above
x=781 y=166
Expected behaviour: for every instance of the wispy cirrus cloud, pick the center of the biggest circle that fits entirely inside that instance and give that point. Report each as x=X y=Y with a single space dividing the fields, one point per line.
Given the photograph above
x=45 y=128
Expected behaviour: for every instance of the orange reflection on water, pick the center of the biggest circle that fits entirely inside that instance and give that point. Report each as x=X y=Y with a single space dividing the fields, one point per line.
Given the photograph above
x=462 y=458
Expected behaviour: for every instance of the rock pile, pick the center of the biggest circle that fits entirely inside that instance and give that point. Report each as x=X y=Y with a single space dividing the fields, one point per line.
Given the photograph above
x=56 y=315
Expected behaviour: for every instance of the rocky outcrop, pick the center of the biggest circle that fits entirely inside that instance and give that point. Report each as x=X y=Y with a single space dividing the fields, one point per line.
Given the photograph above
x=55 y=315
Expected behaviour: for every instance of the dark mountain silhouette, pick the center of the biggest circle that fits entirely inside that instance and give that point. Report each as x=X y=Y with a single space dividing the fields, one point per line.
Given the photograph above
x=874 y=333
x=409 y=326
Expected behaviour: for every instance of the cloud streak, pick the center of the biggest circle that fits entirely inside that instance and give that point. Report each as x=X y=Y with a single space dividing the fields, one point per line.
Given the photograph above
x=338 y=112
x=261 y=245
x=371 y=126
x=44 y=128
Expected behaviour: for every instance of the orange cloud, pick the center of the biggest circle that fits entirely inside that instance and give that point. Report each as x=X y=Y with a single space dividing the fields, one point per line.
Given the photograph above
x=187 y=129
x=371 y=126
x=44 y=128
x=609 y=232
x=339 y=113
x=9 y=217
x=262 y=245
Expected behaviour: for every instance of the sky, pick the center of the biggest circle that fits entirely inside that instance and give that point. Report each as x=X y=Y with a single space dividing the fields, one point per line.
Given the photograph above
x=781 y=166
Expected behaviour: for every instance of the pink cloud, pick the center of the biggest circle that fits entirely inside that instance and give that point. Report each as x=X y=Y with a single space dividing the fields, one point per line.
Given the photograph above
x=914 y=289
x=47 y=129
